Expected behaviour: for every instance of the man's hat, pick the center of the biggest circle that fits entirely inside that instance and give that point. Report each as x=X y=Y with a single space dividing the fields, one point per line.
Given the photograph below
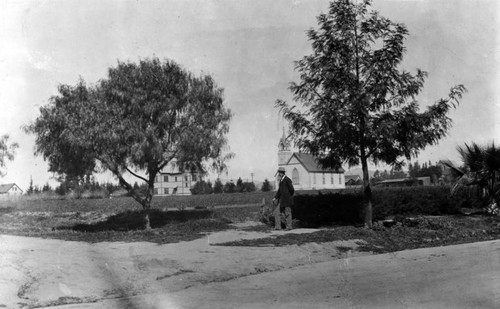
x=281 y=170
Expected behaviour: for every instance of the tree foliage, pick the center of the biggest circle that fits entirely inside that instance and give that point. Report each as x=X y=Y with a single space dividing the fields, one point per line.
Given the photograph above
x=136 y=121
x=219 y=164
x=218 y=186
x=202 y=187
x=7 y=152
x=481 y=168
x=266 y=186
x=356 y=102
x=426 y=170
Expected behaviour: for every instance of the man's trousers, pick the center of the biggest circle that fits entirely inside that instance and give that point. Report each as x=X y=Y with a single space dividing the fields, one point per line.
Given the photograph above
x=287 y=214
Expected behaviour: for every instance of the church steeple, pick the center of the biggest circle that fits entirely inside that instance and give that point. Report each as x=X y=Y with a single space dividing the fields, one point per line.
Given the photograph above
x=283 y=145
x=284 y=152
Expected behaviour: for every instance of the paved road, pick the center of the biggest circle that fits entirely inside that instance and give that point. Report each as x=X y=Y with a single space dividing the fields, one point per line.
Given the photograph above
x=462 y=276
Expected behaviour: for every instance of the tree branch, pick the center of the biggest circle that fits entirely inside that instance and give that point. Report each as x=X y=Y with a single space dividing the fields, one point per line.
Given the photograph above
x=138 y=176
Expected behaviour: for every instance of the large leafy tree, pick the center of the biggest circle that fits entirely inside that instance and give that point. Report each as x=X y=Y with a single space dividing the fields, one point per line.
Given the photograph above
x=140 y=118
x=356 y=104
x=7 y=152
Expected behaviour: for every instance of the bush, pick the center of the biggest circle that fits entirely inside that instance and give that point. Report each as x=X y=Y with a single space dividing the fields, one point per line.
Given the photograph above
x=347 y=207
x=326 y=209
x=202 y=187
x=266 y=186
x=422 y=200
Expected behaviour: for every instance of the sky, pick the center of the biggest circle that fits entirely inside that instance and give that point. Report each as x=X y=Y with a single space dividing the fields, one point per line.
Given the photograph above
x=249 y=47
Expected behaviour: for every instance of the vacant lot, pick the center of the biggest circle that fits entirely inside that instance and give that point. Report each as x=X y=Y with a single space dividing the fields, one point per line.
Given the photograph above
x=111 y=256
x=175 y=219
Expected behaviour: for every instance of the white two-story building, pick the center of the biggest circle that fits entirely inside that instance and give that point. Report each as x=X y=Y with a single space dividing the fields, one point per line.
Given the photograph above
x=171 y=181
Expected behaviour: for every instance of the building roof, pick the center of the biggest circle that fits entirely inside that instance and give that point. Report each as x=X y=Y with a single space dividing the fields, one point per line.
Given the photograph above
x=395 y=180
x=310 y=164
x=6 y=187
x=399 y=180
x=172 y=169
x=352 y=177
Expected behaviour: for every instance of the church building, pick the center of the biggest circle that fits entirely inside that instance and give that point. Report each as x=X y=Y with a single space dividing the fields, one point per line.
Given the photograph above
x=305 y=172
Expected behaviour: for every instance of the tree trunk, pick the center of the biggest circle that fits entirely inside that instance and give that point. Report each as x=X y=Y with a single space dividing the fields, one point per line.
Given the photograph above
x=147 y=200
x=147 y=222
x=367 y=194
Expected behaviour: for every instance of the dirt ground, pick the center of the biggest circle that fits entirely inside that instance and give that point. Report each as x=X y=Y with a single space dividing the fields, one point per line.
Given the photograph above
x=199 y=274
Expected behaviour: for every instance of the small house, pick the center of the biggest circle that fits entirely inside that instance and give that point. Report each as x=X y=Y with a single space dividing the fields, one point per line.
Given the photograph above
x=10 y=189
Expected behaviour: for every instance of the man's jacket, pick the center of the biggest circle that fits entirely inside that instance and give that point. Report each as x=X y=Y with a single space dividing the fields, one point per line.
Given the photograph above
x=285 y=192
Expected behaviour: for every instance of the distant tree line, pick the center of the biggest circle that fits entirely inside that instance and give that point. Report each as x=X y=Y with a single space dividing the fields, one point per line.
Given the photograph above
x=78 y=186
x=206 y=187
x=415 y=170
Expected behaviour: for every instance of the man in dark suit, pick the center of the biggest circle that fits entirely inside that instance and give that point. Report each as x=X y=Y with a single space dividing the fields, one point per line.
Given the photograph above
x=284 y=197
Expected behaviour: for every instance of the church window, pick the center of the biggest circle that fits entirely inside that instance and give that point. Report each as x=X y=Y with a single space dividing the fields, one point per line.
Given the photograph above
x=324 y=178
x=295 y=176
x=331 y=178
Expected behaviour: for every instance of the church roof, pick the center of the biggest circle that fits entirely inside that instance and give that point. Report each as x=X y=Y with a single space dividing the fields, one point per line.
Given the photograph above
x=310 y=164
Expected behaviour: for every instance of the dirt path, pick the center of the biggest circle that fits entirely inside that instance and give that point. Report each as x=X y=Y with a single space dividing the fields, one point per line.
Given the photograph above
x=40 y=272
x=197 y=274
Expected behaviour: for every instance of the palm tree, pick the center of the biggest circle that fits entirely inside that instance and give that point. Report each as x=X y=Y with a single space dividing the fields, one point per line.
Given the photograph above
x=481 y=168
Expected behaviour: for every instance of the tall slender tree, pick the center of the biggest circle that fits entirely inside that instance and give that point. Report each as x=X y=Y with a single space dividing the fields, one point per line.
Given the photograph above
x=356 y=104
x=140 y=118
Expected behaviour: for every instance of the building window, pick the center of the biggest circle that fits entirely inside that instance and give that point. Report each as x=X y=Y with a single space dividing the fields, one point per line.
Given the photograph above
x=194 y=177
x=340 y=178
x=175 y=178
x=186 y=185
x=165 y=178
x=295 y=176
x=156 y=191
x=314 y=178
x=331 y=178
x=324 y=178
x=165 y=190
x=186 y=178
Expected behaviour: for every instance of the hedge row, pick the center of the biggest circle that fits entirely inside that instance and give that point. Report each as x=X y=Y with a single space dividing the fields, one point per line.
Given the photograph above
x=348 y=207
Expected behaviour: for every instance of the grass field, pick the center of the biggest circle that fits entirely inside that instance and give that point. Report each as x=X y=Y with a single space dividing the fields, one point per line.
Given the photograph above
x=187 y=218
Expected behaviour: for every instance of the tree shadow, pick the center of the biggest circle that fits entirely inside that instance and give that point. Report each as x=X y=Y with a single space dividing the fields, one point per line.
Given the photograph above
x=134 y=220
